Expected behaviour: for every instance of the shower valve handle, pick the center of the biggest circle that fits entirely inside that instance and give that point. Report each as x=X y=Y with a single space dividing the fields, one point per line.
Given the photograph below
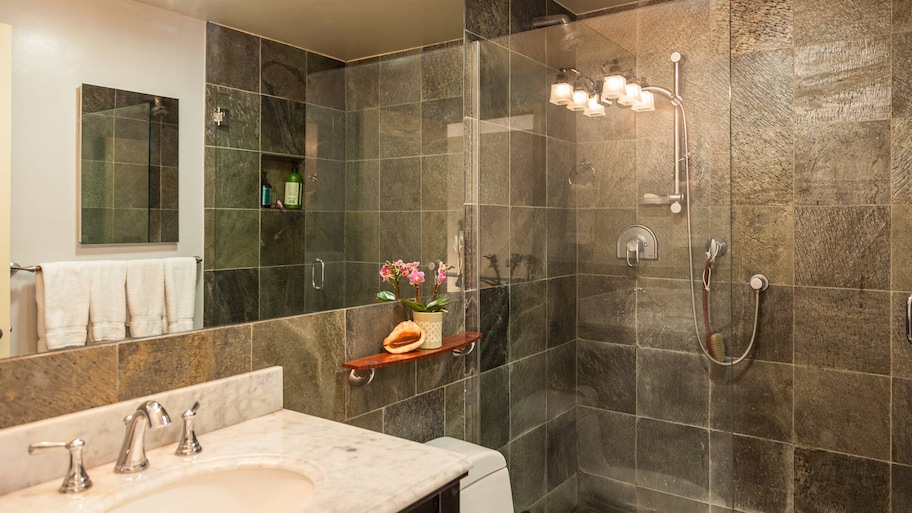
x=634 y=246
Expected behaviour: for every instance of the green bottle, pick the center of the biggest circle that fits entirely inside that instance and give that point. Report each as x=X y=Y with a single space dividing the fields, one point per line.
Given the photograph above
x=294 y=188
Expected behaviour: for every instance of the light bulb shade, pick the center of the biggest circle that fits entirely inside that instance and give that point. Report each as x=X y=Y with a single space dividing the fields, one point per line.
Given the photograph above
x=594 y=108
x=580 y=99
x=632 y=96
x=615 y=87
x=561 y=93
x=646 y=103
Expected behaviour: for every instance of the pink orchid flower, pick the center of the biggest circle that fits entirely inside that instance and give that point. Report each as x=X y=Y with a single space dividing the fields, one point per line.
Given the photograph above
x=441 y=274
x=416 y=277
x=386 y=272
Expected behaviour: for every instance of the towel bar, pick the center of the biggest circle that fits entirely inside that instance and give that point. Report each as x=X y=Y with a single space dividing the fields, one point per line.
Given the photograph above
x=14 y=267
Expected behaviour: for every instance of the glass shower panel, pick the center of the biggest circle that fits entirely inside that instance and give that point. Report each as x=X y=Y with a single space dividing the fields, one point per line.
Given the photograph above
x=633 y=415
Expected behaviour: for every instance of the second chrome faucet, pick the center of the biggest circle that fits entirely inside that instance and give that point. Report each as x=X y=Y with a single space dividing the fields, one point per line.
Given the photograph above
x=132 y=458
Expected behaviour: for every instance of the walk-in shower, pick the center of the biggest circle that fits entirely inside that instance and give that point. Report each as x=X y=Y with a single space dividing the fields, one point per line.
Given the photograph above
x=591 y=96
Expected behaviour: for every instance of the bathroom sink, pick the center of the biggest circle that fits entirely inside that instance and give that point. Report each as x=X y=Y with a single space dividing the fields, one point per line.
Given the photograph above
x=236 y=490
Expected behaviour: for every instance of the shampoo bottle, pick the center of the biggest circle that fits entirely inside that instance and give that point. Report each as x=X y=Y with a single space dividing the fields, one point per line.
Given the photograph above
x=265 y=192
x=293 y=192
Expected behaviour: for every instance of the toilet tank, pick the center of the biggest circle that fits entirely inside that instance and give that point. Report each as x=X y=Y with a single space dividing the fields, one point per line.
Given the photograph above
x=487 y=487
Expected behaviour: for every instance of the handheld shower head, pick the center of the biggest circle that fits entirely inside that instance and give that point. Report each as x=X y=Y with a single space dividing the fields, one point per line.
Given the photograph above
x=570 y=38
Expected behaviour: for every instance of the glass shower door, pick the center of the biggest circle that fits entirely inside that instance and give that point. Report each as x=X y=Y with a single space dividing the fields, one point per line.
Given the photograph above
x=612 y=404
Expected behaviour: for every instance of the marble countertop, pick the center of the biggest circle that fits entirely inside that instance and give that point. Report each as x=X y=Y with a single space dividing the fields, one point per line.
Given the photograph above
x=354 y=470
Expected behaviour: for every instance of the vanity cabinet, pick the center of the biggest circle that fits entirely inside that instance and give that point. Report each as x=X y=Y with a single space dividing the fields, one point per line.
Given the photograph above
x=445 y=500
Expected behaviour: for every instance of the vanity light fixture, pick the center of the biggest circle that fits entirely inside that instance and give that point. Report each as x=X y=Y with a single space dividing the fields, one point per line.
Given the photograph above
x=561 y=90
x=592 y=96
x=580 y=99
x=594 y=107
x=614 y=87
x=646 y=103
x=632 y=96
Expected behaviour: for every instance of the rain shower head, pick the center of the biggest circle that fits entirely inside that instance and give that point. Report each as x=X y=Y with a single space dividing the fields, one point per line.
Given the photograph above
x=570 y=39
x=159 y=109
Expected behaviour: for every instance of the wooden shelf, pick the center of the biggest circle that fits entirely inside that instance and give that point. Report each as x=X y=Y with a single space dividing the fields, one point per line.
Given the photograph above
x=386 y=359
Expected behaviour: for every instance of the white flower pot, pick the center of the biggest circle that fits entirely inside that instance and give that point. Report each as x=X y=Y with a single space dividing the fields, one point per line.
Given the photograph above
x=432 y=325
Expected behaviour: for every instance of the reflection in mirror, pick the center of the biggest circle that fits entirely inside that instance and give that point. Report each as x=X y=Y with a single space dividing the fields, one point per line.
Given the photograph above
x=378 y=143
x=128 y=167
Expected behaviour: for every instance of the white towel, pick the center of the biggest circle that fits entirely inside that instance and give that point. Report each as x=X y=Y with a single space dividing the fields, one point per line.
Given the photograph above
x=145 y=296
x=62 y=294
x=180 y=293
x=107 y=300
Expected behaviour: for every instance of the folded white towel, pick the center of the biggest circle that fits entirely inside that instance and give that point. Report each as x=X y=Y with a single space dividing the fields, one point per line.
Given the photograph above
x=145 y=296
x=180 y=293
x=107 y=300
x=62 y=294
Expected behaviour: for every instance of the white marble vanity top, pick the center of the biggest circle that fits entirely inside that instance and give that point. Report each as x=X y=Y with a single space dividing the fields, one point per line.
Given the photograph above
x=354 y=470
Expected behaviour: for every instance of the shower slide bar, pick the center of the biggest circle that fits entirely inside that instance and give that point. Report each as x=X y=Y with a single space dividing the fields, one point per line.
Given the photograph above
x=14 y=267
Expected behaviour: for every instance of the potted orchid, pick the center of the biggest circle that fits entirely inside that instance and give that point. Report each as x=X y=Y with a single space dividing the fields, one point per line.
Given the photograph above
x=429 y=316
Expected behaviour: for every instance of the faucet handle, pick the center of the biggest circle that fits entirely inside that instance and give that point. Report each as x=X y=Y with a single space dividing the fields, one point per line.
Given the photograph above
x=189 y=445
x=76 y=479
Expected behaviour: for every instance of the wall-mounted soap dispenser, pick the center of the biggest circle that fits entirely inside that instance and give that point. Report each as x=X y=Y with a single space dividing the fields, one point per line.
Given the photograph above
x=637 y=242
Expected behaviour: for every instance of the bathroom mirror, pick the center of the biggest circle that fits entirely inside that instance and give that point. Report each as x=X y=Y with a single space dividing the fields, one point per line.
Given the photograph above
x=128 y=167
x=390 y=115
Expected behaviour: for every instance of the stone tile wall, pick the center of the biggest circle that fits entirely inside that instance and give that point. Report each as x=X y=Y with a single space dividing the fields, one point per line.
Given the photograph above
x=817 y=203
x=404 y=162
x=419 y=401
x=286 y=109
x=524 y=250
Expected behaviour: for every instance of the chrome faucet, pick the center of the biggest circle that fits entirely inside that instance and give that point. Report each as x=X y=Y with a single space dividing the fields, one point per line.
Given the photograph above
x=76 y=480
x=189 y=445
x=132 y=456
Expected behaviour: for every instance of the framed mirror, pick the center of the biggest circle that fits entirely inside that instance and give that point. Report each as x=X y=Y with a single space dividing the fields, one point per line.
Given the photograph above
x=128 y=167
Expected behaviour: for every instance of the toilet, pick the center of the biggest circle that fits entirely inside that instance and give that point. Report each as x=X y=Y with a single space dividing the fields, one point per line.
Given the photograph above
x=487 y=487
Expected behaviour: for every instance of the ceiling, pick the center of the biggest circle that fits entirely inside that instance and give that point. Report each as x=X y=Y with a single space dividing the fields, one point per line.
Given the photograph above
x=346 y=29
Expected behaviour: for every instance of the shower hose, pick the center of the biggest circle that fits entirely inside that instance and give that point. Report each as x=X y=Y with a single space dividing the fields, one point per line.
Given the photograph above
x=693 y=301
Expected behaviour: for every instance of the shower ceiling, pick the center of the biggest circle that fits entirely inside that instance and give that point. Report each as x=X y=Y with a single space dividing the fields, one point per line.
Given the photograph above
x=346 y=29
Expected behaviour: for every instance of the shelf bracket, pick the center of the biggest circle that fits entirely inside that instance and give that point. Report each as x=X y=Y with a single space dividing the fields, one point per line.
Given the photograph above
x=463 y=351
x=361 y=380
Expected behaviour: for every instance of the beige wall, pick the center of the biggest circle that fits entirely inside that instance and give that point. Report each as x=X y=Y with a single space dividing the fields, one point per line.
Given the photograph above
x=5 y=135
x=57 y=46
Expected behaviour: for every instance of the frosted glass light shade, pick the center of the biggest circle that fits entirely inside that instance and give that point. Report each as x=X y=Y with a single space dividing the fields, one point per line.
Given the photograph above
x=646 y=103
x=580 y=99
x=593 y=107
x=632 y=96
x=615 y=87
x=561 y=93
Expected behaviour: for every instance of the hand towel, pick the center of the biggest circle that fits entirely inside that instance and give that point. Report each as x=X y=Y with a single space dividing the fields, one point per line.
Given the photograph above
x=180 y=293
x=107 y=300
x=62 y=294
x=145 y=296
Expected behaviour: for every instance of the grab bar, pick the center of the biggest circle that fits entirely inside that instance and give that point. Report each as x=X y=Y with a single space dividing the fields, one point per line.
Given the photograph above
x=14 y=267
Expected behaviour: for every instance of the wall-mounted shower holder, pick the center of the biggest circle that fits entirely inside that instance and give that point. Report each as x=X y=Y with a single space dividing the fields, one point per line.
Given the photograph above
x=637 y=242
